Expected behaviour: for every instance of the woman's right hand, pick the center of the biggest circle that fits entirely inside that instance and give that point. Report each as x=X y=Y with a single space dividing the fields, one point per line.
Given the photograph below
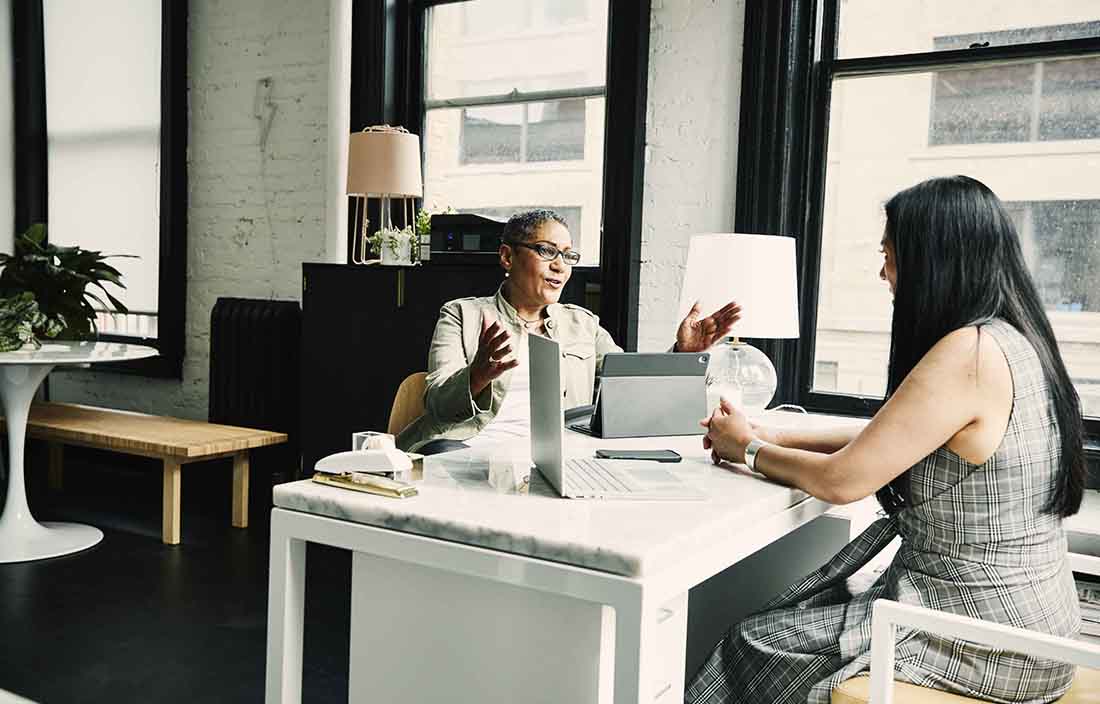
x=492 y=348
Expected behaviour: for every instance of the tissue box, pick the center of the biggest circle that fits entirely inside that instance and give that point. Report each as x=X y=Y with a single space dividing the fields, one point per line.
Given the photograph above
x=371 y=440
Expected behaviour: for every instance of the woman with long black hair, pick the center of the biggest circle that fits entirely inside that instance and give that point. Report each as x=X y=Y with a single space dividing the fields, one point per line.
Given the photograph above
x=976 y=457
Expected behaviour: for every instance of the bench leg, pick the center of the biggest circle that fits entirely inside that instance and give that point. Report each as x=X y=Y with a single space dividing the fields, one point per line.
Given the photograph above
x=55 y=477
x=240 y=490
x=170 y=522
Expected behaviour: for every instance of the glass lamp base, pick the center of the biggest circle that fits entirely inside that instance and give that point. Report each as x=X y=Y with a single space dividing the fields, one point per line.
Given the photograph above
x=741 y=374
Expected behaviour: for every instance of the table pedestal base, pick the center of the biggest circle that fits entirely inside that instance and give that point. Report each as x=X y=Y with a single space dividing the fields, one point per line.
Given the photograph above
x=21 y=537
x=34 y=541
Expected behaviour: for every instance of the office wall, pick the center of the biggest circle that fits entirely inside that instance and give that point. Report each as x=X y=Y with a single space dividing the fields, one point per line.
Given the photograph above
x=691 y=147
x=257 y=208
x=257 y=213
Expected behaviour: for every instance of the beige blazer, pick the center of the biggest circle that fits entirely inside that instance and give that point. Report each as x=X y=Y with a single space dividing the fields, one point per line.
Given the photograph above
x=451 y=412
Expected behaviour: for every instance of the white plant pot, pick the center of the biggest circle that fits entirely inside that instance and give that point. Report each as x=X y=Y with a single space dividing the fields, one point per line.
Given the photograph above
x=403 y=255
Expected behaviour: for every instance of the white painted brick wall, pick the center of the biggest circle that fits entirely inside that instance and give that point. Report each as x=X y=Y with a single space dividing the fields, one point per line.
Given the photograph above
x=691 y=141
x=254 y=220
x=255 y=215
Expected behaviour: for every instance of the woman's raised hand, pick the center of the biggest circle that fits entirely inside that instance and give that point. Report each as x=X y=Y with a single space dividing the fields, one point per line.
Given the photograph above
x=492 y=349
x=697 y=335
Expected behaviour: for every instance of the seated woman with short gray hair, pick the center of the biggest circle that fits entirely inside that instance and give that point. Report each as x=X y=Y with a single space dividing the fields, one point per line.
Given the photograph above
x=477 y=387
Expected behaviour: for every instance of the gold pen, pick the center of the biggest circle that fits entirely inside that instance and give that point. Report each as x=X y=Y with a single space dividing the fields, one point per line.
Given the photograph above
x=368 y=483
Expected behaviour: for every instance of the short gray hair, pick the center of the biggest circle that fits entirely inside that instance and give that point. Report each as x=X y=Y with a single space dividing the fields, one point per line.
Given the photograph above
x=522 y=227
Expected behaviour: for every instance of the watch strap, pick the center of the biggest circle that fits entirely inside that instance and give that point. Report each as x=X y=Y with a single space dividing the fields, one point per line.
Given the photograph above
x=750 y=452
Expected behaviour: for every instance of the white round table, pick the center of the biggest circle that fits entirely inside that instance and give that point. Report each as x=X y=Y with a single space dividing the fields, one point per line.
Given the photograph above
x=21 y=537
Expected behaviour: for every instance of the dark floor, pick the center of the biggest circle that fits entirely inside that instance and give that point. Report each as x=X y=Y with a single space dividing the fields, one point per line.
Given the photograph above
x=133 y=620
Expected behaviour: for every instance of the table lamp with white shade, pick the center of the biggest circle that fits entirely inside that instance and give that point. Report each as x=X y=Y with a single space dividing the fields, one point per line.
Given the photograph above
x=757 y=271
x=383 y=162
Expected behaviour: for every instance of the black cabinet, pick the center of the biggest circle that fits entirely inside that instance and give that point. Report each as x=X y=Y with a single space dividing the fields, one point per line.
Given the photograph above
x=365 y=328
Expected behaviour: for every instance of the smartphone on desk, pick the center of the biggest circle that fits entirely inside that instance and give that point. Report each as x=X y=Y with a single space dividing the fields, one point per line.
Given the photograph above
x=652 y=455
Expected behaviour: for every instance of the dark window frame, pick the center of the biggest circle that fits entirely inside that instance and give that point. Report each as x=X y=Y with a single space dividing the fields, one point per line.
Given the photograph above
x=31 y=158
x=789 y=66
x=387 y=86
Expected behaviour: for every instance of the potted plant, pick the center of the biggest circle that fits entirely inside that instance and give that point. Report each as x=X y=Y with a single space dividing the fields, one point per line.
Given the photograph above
x=396 y=246
x=44 y=290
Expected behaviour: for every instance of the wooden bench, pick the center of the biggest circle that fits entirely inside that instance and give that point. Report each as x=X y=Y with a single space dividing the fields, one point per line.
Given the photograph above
x=174 y=441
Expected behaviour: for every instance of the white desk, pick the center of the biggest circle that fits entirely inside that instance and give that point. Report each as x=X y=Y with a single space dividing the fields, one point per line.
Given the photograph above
x=460 y=572
x=21 y=372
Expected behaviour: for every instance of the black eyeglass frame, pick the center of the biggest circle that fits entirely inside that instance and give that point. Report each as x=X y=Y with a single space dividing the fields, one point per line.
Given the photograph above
x=535 y=247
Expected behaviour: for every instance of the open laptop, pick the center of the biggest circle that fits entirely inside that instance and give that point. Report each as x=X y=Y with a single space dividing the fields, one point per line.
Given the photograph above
x=645 y=394
x=586 y=478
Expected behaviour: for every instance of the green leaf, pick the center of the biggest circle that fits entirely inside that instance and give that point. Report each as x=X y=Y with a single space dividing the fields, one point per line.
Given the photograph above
x=36 y=233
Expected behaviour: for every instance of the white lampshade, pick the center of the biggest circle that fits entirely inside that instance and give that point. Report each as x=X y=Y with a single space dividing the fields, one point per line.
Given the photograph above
x=384 y=162
x=757 y=271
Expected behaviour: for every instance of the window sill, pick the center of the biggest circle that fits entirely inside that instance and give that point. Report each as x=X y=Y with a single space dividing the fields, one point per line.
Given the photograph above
x=513 y=168
x=1009 y=149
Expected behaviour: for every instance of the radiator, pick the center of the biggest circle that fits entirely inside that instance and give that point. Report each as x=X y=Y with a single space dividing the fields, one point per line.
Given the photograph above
x=255 y=348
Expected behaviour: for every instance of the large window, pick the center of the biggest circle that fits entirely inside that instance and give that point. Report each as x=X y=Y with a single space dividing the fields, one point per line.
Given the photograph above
x=114 y=157
x=893 y=93
x=514 y=103
x=103 y=122
x=522 y=104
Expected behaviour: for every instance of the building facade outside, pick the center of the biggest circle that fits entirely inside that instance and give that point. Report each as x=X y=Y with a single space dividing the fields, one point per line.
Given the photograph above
x=1030 y=131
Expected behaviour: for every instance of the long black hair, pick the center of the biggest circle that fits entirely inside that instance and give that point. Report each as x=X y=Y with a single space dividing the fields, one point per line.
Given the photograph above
x=959 y=263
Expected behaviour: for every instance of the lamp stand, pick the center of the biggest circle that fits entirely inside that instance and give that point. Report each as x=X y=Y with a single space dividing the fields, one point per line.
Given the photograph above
x=741 y=374
x=360 y=246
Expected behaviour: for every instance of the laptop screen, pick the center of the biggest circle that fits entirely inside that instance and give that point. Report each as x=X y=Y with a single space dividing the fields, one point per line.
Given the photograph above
x=547 y=419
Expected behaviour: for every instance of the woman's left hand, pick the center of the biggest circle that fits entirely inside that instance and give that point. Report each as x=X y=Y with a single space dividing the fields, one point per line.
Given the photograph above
x=728 y=432
x=698 y=335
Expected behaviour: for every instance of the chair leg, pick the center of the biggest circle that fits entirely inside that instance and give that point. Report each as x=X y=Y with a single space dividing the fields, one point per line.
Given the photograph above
x=170 y=522
x=55 y=476
x=240 y=489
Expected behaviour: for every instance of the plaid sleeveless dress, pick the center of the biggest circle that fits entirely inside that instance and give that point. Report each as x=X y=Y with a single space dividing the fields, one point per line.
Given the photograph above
x=975 y=541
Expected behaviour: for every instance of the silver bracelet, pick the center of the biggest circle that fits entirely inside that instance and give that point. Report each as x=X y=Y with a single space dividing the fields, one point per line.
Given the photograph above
x=750 y=452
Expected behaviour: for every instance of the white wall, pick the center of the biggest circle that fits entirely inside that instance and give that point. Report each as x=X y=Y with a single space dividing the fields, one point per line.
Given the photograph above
x=238 y=199
x=691 y=147
x=255 y=213
x=7 y=132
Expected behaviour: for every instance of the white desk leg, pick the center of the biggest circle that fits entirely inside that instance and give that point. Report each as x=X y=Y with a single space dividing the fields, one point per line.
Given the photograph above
x=635 y=626
x=21 y=537
x=285 y=611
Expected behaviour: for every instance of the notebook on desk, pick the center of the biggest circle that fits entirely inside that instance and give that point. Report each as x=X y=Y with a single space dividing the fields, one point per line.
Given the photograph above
x=646 y=395
x=584 y=477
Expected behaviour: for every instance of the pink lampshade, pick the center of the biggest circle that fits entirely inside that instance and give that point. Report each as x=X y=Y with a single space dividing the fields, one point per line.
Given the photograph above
x=384 y=162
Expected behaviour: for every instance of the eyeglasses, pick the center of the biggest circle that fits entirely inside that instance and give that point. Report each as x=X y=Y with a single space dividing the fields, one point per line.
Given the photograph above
x=548 y=252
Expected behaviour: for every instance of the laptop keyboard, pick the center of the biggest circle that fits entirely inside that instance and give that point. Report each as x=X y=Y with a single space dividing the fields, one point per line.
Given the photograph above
x=591 y=475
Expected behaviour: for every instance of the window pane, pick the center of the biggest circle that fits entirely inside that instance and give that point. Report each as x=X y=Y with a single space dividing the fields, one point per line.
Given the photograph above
x=545 y=131
x=877 y=28
x=1061 y=240
x=1035 y=101
x=555 y=131
x=879 y=144
x=983 y=105
x=563 y=170
x=492 y=134
x=103 y=115
x=1070 y=102
x=489 y=47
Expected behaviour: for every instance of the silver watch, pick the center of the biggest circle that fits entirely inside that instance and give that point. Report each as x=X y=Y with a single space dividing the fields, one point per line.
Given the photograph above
x=750 y=452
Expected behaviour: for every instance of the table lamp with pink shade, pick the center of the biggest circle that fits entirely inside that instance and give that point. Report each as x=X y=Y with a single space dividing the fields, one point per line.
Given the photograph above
x=383 y=162
x=759 y=272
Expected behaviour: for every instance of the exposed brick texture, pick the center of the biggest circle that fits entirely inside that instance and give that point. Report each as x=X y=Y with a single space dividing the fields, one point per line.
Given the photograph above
x=255 y=213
